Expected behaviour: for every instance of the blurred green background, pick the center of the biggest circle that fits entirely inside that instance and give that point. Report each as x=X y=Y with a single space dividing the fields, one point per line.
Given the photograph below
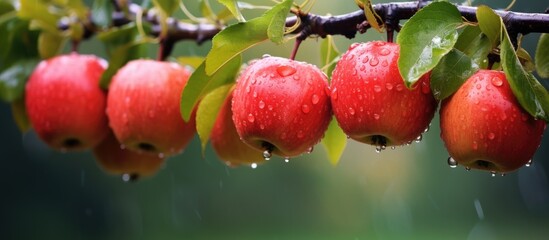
x=407 y=193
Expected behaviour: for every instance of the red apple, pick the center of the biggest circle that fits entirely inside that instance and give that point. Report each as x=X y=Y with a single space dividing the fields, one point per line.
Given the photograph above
x=143 y=107
x=115 y=160
x=226 y=142
x=483 y=126
x=281 y=106
x=64 y=102
x=370 y=101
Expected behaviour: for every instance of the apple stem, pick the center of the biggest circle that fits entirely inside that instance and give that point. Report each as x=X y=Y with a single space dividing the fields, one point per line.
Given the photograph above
x=75 y=45
x=165 y=48
x=296 y=47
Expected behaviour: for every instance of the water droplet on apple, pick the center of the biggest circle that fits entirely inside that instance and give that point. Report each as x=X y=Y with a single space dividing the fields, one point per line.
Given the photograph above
x=362 y=68
x=374 y=62
x=305 y=108
x=161 y=155
x=493 y=173
x=261 y=126
x=283 y=136
x=248 y=89
x=393 y=147
x=334 y=94
x=365 y=59
x=384 y=63
x=310 y=149
x=389 y=86
x=497 y=81
x=377 y=88
x=261 y=104
x=452 y=162
x=384 y=51
x=378 y=149
x=255 y=94
x=122 y=146
x=151 y=113
x=350 y=57
x=315 y=99
x=467 y=168
x=503 y=174
x=425 y=88
x=478 y=86
x=376 y=116
x=126 y=177
x=351 y=111
x=419 y=138
x=491 y=136
x=254 y=165
x=267 y=155
x=400 y=87
x=300 y=134
x=427 y=129
x=266 y=56
x=286 y=159
x=251 y=118
x=127 y=100
x=529 y=163
x=503 y=116
x=475 y=145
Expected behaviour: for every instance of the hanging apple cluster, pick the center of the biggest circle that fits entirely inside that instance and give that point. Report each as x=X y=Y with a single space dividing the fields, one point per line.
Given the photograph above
x=135 y=113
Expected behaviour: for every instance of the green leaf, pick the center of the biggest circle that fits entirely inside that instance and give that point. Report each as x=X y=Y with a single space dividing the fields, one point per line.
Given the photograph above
x=334 y=142
x=18 y=42
x=236 y=38
x=6 y=7
x=119 y=57
x=542 y=56
x=426 y=38
x=450 y=73
x=166 y=6
x=371 y=16
x=102 y=12
x=206 y=10
x=526 y=60
x=232 y=6
x=207 y=112
x=490 y=24
x=532 y=96
x=192 y=61
x=13 y=79
x=473 y=43
x=200 y=84
x=19 y=112
x=328 y=53
x=50 y=44
x=39 y=12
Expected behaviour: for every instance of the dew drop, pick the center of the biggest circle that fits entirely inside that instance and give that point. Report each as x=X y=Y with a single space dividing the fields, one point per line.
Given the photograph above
x=248 y=89
x=377 y=88
x=378 y=149
x=351 y=111
x=285 y=70
x=384 y=52
x=475 y=145
x=261 y=104
x=126 y=177
x=267 y=155
x=251 y=118
x=365 y=59
x=350 y=57
x=478 y=86
x=425 y=89
x=529 y=163
x=266 y=56
x=161 y=155
x=255 y=94
x=400 y=87
x=254 y=165
x=286 y=159
x=384 y=63
x=315 y=99
x=419 y=138
x=300 y=134
x=374 y=62
x=496 y=81
x=305 y=108
x=122 y=146
x=491 y=136
x=467 y=168
x=334 y=94
x=354 y=45
x=310 y=149
x=393 y=147
x=493 y=173
x=261 y=126
x=376 y=116
x=389 y=86
x=283 y=136
x=362 y=68
x=452 y=162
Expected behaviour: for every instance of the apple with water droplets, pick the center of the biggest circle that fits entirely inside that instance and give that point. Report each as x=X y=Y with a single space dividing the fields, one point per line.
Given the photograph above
x=226 y=142
x=483 y=125
x=64 y=102
x=143 y=107
x=281 y=105
x=120 y=161
x=370 y=101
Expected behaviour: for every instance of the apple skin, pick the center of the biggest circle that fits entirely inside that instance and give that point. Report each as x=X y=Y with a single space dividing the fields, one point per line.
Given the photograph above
x=370 y=101
x=484 y=127
x=117 y=161
x=64 y=102
x=226 y=142
x=143 y=107
x=281 y=105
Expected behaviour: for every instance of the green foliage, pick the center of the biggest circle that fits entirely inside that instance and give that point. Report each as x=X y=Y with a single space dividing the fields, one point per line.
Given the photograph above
x=473 y=43
x=329 y=54
x=371 y=16
x=542 y=56
x=489 y=24
x=232 y=6
x=19 y=112
x=166 y=6
x=207 y=111
x=13 y=79
x=191 y=61
x=102 y=12
x=50 y=44
x=200 y=84
x=450 y=73
x=236 y=38
x=334 y=141
x=426 y=38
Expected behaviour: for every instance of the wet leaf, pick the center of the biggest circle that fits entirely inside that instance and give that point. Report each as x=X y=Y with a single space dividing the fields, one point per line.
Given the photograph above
x=450 y=73
x=526 y=60
x=490 y=24
x=542 y=56
x=236 y=38
x=473 y=43
x=192 y=61
x=13 y=79
x=426 y=38
x=334 y=142
x=200 y=84
x=207 y=112
x=532 y=96
x=232 y=6
x=50 y=44
x=19 y=112
x=371 y=16
x=328 y=54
